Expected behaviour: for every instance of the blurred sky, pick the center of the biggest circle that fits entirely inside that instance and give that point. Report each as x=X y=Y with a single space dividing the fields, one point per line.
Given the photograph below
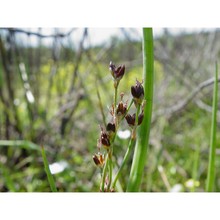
x=101 y=35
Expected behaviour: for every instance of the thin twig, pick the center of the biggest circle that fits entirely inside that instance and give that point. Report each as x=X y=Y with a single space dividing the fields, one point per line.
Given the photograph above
x=61 y=35
x=182 y=104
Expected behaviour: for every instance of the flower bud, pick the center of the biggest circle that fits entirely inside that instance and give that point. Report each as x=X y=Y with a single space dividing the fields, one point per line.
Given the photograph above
x=130 y=119
x=110 y=127
x=137 y=92
x=98 y=159
x=117 y=72
x=105 y=139
x=121 y=108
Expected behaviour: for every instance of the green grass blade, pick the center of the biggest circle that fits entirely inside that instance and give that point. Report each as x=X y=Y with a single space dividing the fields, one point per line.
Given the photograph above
x=20 y=143
x=47 y=169
x=140 y=154
x=211 y=168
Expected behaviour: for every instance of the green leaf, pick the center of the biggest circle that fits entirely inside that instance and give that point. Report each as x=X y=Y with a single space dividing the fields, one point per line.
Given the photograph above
x=47 y=169
x=21 y=143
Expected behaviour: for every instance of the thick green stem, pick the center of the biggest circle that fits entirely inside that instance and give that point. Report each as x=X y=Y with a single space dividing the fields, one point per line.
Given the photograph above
x=140 y=154
x=211 y=168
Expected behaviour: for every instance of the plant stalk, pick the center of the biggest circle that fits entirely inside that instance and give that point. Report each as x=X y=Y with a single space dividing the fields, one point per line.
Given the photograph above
x=211 y=168
x=140 y=154
x=128 y=152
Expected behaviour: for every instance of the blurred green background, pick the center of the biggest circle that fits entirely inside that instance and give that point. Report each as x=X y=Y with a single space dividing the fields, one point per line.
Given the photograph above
x=48 y=96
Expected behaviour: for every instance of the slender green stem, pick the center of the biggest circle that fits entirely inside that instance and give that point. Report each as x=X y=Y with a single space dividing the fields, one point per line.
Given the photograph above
x=100 y=105
x=47 y=169
x=110 y=169
x=110 y=152
x=130 y=147
x=127 y=154
x=104 y=173
x=132 y=101
x=115 y=98
x=211 y=168
x=140 y=154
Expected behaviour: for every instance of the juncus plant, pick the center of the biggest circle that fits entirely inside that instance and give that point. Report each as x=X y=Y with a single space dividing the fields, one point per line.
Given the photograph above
x=119 y=111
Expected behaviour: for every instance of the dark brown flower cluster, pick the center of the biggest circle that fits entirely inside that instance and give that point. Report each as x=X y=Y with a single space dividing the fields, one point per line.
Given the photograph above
x=131 y=119
x=119 y=112
x=137 y=92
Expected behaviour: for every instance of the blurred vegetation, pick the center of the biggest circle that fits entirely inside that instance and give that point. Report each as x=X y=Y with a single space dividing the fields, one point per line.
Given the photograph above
x=48 y=97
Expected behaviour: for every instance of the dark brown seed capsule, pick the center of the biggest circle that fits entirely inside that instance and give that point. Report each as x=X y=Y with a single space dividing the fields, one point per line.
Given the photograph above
x=117 y=73
x=110 y=127
x=137 y=92
x=105 y=139
x=121 y=108
x=130 y=119
x=96 y=160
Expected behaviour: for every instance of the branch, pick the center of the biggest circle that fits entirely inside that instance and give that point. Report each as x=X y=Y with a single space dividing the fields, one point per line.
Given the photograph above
x=182 y=104
x=61 y=35
x=205 y=107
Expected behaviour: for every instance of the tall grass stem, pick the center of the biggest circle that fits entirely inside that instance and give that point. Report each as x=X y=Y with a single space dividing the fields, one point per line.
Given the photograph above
x=211 y=167
x=140 y=153
x=47 y=169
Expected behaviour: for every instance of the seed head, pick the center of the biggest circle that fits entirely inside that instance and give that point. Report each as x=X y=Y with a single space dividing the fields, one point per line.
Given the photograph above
x=137 y=92
x=98 y=159
x=110 y=127
x=130 y=119
x=105 y=140
x=121 y=108
x=117 y=72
